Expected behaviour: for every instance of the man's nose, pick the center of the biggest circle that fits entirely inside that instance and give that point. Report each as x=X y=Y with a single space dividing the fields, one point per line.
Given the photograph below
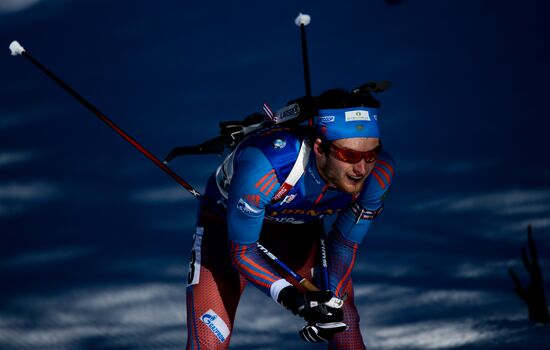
x=360 y=168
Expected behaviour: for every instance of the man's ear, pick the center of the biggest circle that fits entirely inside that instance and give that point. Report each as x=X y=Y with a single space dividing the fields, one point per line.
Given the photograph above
x=317 y=148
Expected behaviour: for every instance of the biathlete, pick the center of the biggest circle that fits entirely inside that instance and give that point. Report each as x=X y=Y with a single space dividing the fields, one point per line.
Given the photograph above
x=276 y=187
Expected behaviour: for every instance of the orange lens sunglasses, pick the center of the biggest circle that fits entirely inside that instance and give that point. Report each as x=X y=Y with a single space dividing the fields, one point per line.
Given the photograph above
x=351 y=156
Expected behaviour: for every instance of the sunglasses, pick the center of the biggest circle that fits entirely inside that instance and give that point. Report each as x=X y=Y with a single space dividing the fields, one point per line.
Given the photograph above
x=351 y=156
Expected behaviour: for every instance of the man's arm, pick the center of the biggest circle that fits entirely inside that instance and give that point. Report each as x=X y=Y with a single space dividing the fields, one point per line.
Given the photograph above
x=253 y=185
x=353 y=223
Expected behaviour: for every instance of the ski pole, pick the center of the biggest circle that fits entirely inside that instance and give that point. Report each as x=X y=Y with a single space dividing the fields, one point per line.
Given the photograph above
x=302 y=21
x=324 y=264
x=303 y=281
x=17 y=49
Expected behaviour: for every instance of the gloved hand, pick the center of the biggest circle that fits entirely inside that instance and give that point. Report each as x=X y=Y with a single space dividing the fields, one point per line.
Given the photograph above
x=314 y=307
x=321 y=332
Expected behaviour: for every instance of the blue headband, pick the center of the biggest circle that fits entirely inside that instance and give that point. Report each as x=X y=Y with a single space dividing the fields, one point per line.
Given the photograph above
x=334 y=124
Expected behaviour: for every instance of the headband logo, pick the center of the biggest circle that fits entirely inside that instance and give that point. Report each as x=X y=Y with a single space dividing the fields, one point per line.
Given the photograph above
x=327 y=119
x=357 y=115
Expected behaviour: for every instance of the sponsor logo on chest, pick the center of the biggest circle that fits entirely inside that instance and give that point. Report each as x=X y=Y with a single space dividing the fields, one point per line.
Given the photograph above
x=306 y=212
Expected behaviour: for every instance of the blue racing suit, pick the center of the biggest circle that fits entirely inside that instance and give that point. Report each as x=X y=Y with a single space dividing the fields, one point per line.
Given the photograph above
x=246 y=185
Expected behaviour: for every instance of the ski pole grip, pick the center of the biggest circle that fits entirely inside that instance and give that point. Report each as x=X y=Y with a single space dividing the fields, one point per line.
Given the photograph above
x=308 y=285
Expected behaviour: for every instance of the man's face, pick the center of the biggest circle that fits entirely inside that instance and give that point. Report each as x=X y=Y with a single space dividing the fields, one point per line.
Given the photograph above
x=345 y=176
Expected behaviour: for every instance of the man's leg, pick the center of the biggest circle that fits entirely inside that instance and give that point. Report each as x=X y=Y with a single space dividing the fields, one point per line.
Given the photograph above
x=214 y=287
x=351 y=338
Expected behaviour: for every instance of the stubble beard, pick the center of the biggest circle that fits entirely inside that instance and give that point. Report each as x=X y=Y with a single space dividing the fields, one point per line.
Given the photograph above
x=343 y=183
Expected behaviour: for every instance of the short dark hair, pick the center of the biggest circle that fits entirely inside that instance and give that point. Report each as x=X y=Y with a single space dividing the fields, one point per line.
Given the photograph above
x=339 y=98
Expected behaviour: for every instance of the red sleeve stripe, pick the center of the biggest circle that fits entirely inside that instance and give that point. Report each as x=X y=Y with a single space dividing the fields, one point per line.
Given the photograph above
x=273 y=177
x=266 y=274
x=251 y=275
x=386 y=164
x=257 y=277
x=348 y=272
x=379 y=179
x=264 y=177
x=237 y=261
x=384 y=172
x=270 y=188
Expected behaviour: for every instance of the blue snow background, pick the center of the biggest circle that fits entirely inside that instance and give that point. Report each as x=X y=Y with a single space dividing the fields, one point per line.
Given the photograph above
x=94 y=239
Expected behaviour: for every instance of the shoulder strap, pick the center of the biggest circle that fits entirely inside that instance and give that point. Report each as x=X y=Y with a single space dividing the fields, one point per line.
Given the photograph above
x=295 y=174
x=281 y=149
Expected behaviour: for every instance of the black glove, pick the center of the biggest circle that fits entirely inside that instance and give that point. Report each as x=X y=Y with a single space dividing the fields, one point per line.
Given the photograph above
x=314 y=307
x=321 y=332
